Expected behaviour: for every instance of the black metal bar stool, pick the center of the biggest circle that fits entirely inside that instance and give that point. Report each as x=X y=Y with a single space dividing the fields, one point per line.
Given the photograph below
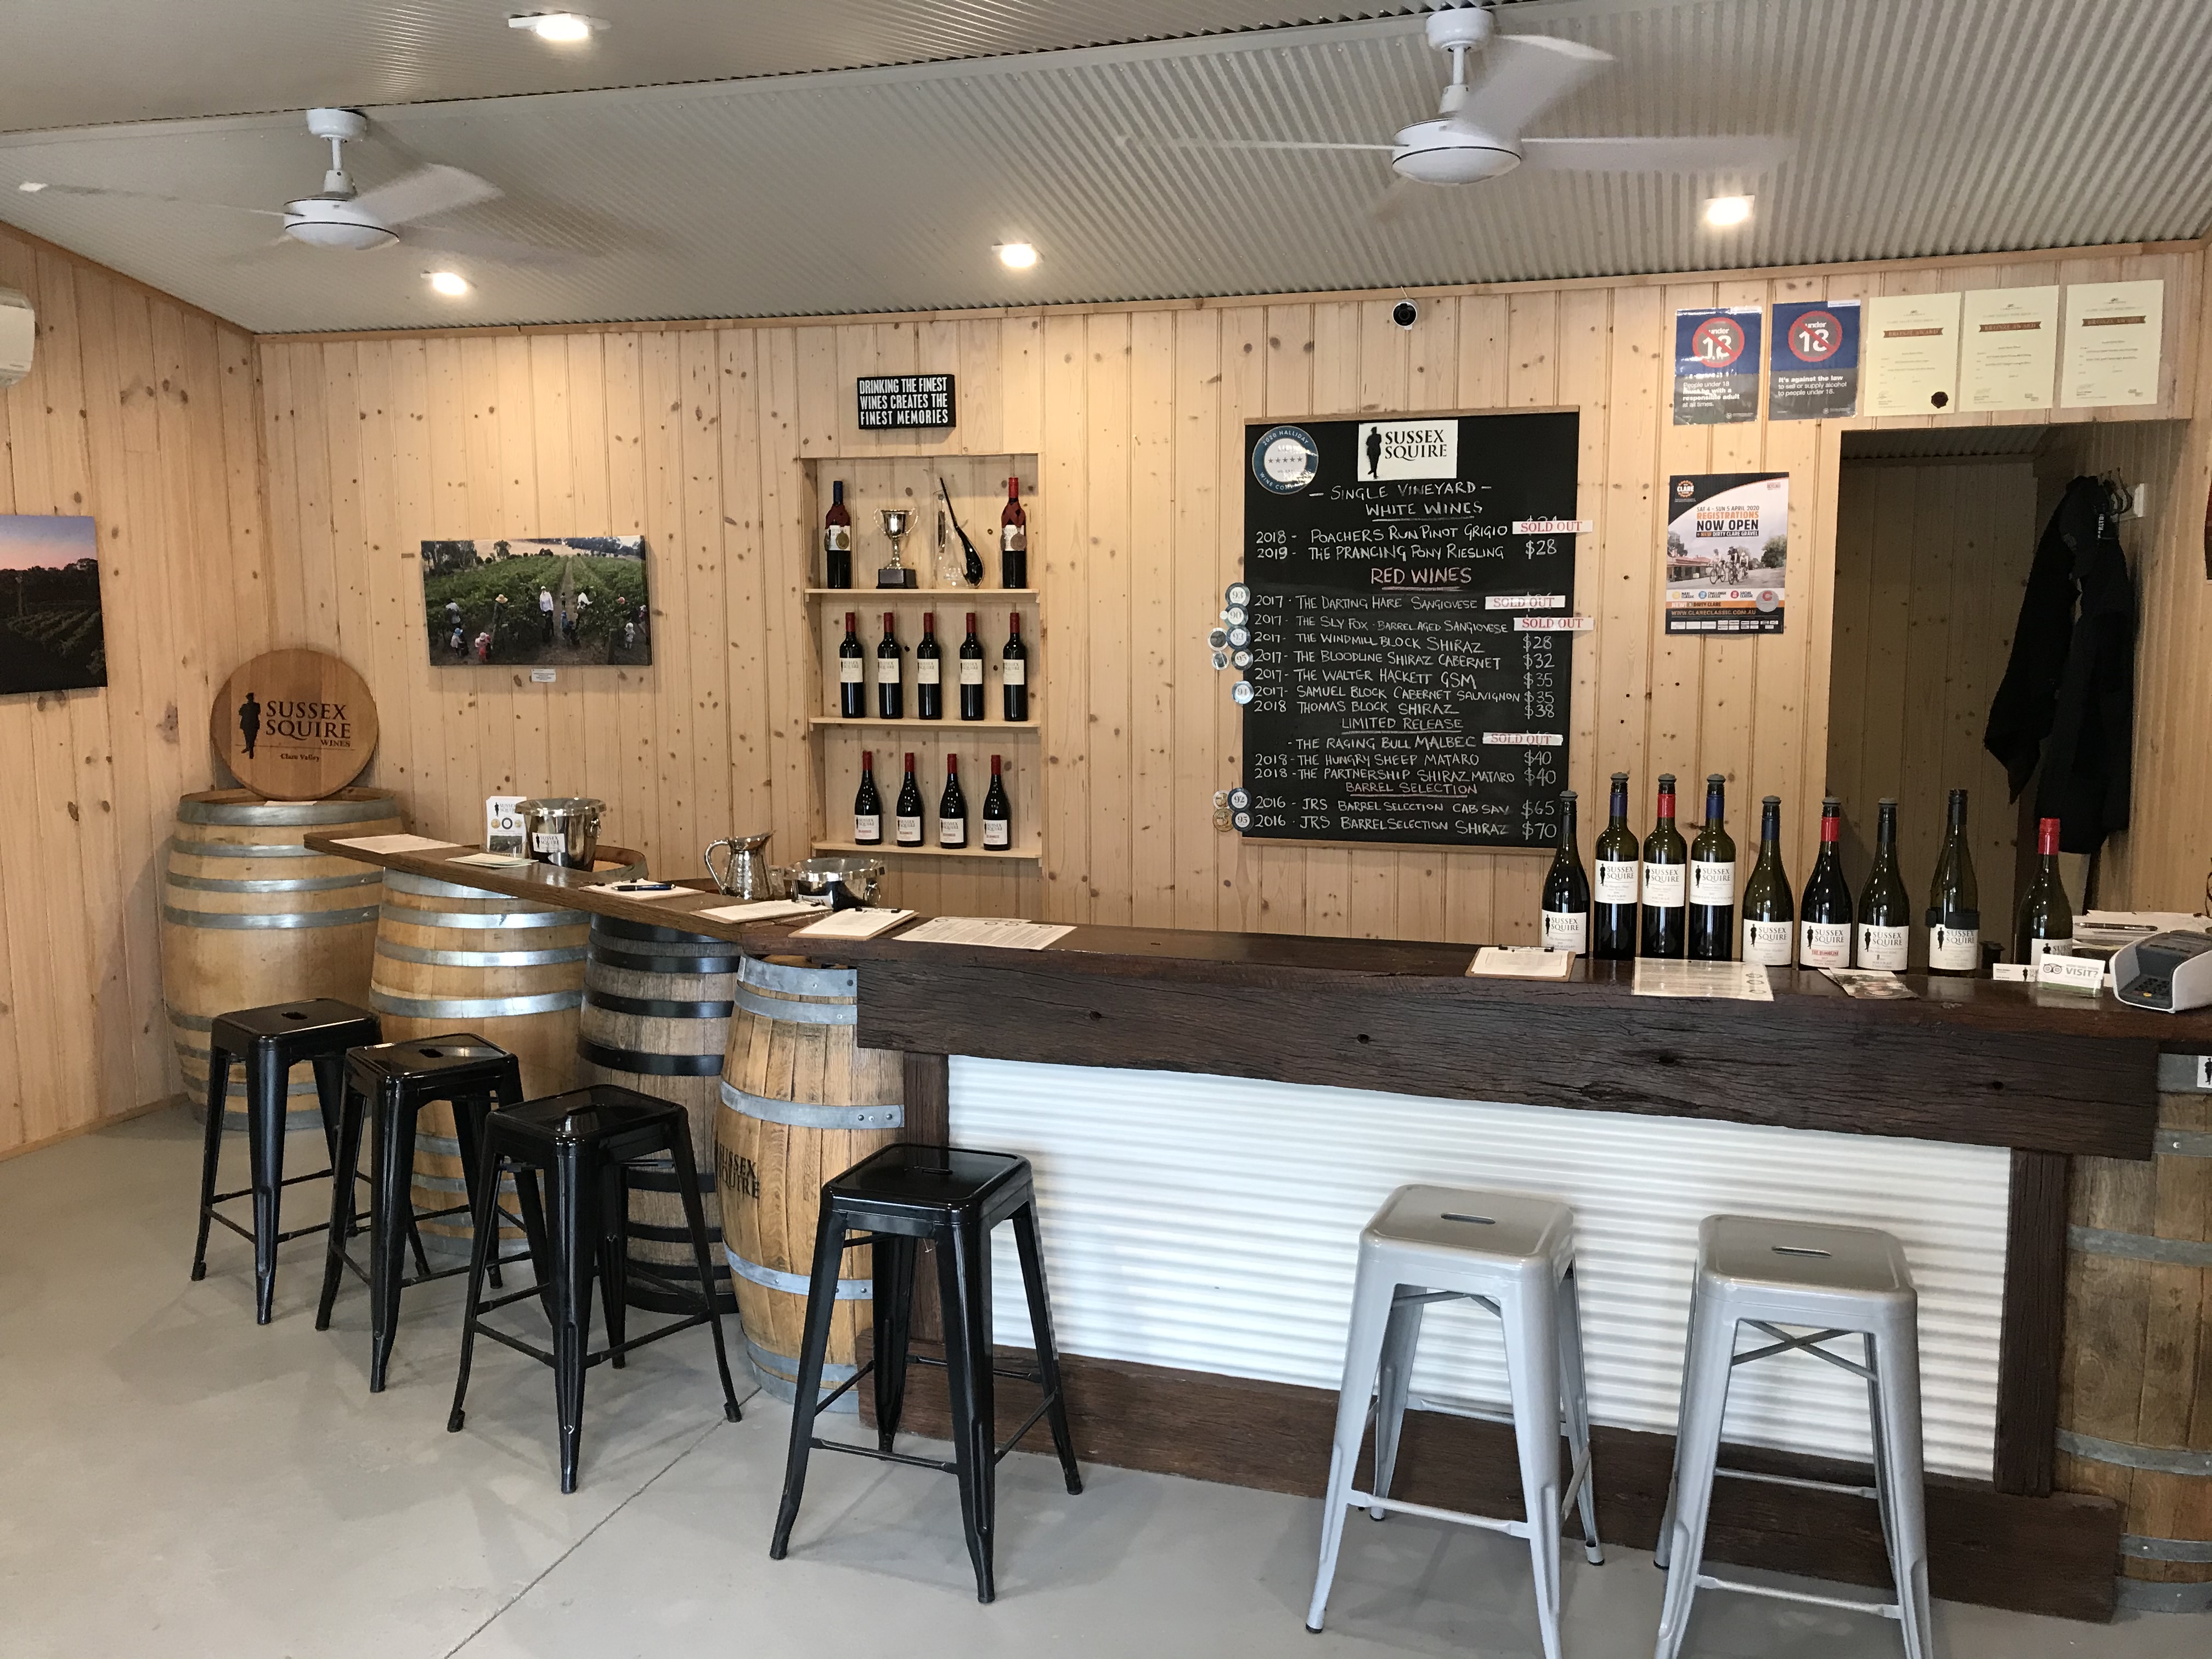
x=392 y=1084
x=897 y=1198
x=271 y=1041
x=583 y=1141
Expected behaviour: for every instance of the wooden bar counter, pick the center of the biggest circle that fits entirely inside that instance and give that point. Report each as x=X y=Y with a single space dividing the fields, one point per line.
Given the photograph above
x=1965 y=1067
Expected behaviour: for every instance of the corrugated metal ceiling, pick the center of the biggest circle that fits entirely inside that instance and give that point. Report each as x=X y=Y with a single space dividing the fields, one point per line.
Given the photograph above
x=1972 y=126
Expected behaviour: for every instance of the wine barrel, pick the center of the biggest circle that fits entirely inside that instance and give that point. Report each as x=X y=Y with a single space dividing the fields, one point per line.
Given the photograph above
x=250 y=916
x=451 y=958
x=802 y=1102
x=2133 y=1424
x=656 y=1019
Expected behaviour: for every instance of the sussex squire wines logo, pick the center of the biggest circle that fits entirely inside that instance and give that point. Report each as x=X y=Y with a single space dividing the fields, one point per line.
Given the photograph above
x=735 y=1174
x=1408 y=449
x=295 y=725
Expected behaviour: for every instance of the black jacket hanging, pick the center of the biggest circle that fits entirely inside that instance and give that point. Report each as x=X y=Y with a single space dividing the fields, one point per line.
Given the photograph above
x=2071 y=679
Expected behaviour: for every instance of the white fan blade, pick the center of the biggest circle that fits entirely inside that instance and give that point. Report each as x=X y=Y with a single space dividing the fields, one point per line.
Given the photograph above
x=1521 y=75
x=1400 y=194
x=31 y=188
x=441 y=241
x=1245 y=144
x=418 y=195
x=1696 y=155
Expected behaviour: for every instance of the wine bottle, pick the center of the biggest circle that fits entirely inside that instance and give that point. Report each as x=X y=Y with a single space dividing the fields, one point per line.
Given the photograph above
x=1666 y=869
x=1015 y=670
x=890 y=672
x=907 y=830
x=1885 y=909
x=953 y=808
x=998 y=812
x=1612 y=912
x=1769 y=916
x=929 y=671
x=867 y=805
x=1824 y=925
x=971 y=674
x=1014 y=539
x=837 y=540
x=852 y=689
x=1712 y=879
x=2045 y=923
x=1566 y=916
x=1954 y=915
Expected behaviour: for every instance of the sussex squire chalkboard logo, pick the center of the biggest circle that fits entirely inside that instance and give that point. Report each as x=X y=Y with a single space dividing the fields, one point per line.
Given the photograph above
x=1285 y=460
x=1408 y=449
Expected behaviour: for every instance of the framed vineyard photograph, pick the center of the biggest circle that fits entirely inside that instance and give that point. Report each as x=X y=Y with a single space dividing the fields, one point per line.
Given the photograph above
x=549 y=601
x=50 y=630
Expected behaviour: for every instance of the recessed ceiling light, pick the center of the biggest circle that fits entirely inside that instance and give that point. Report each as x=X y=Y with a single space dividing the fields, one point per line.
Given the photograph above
x=451 y=284
x=1726 y=212
x=1017 y=256
x=565 y=28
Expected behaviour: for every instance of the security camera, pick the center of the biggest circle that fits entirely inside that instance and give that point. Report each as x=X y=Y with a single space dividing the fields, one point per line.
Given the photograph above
x=1404 y=313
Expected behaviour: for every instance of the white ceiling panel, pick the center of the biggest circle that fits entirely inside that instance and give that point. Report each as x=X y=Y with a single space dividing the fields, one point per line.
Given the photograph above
x=1974 y=125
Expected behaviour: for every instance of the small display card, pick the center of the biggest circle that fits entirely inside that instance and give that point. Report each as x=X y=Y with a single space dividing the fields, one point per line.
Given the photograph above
x=2085 y=974
x=852 y=924
x=1876 y=984
x=1520 y=961
x=997 y=933
x=1733 y=981
x=395 y=843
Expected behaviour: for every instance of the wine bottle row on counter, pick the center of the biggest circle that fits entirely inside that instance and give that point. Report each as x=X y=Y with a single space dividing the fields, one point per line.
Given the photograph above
x=1013 y=539
x=929 y=671
x=951 y=809
x=1676 y=899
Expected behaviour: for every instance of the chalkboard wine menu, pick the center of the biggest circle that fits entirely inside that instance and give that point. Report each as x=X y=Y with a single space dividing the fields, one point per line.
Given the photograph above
x=1397 y=690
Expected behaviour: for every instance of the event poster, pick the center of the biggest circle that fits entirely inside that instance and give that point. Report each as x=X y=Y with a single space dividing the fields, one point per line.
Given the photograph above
x=1813 y=373
x=1727 y=552
x=1717 y=366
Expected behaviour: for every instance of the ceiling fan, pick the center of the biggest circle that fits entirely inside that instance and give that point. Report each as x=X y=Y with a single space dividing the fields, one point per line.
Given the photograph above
x=1488 y=104
x=343 y=218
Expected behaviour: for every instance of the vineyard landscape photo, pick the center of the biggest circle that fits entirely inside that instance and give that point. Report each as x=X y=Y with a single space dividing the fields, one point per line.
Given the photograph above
x=50 y=630
x=543 y=602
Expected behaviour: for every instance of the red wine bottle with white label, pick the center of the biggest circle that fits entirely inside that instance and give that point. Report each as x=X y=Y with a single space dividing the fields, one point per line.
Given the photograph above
x=1770 y=915
x=890 y=672
x=1954 y=915
x=1613 y=896
x=1712 y=880
x=997 y=813
x=1014 y=539
x=1824 y=924
x=1666 y=881
x=1885 y=909
x=1014 y=670
x=928 y=672
x=971 y=674
x=868 y=806
x=909 y=830
x=2045 y=923
x=852 y=686
x=837 y=540
x=953 y=808
x=1567 y=905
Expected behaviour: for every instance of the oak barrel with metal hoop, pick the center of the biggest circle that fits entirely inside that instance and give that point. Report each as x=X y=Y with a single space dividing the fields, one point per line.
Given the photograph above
x=802 y=1102
x=251 y=916
x=2135 y=1412
x=453 y=958
x=656 y=1019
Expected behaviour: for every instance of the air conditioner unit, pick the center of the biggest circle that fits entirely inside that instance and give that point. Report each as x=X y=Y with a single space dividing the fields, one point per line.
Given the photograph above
x=18 y=332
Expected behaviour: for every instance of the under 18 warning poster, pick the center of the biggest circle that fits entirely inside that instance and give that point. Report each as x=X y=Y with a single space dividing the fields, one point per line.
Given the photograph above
x=1727 y=552
x=1814 y=375
x=1717 y=366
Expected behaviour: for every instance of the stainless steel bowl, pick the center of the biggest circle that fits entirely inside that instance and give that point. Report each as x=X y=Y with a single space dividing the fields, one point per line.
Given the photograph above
x=563 y=830
x=840 y=882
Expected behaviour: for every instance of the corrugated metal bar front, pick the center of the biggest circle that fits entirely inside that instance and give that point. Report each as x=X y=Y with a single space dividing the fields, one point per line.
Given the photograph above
x=1211 y=1224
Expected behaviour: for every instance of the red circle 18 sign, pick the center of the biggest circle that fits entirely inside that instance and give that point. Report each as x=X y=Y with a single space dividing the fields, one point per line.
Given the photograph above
x=1717 y=342
x=1816 y=336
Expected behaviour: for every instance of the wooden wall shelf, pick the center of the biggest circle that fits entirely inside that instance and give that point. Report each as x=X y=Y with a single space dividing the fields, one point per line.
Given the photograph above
x=1003 y=856
x=952 y=726
x=854 y=595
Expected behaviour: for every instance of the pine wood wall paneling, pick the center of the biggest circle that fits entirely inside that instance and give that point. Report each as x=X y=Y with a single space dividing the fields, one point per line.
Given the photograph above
x=1195 y=588
x=1159 y=670
x=1243 y=359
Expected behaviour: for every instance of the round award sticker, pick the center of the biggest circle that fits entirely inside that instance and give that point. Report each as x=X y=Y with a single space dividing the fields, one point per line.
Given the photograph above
x=1769 y=599
x=1285 y=460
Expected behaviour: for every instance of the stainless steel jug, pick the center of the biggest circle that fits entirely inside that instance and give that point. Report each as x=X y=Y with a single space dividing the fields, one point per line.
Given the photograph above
x=744 y=871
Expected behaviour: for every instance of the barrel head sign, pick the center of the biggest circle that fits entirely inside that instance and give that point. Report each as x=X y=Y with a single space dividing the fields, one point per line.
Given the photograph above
x=295 y=725
x=898 y=400
x=1406 y=600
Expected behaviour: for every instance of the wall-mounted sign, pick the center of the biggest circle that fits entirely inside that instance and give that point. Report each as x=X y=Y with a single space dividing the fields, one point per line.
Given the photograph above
x=2007 y=347
x=898 y=400
x=1717 y=366
x=1814 y=373
x=50 y=628
x=1727 y=552
x=2112 y=337
x=1912 y=353
x=295 y=725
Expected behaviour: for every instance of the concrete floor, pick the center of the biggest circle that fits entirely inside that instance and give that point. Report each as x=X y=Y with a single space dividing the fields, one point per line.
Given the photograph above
x=175 y=1481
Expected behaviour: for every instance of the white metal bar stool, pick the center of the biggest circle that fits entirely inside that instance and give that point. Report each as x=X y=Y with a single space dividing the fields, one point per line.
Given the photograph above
x=1515 y=1255
x=1839 y=1281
